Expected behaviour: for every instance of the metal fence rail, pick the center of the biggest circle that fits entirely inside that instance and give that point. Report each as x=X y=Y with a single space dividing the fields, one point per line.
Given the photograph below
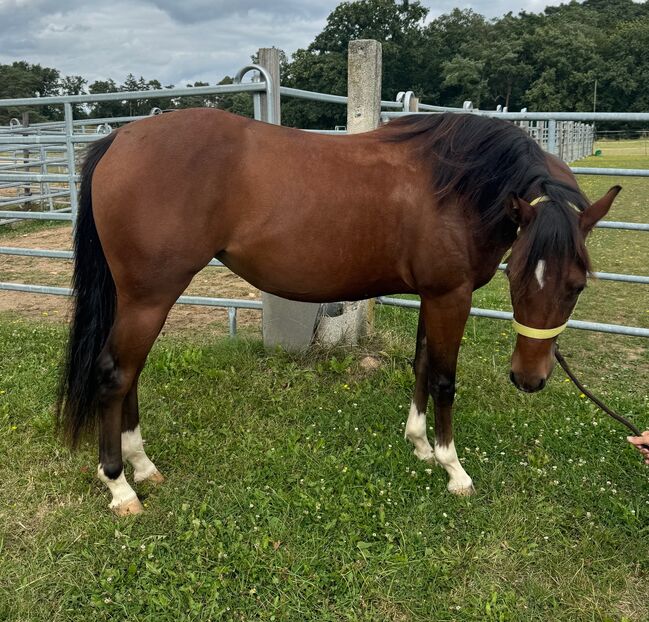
x=565 y=134
x=616 y=329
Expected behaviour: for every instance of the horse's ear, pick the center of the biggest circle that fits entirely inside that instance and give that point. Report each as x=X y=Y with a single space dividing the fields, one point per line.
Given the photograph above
x=594 y=213
x=521 y=212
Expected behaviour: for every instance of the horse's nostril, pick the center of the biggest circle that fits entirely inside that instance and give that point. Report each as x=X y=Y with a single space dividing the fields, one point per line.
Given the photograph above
x=512 y=378
x=542 y=384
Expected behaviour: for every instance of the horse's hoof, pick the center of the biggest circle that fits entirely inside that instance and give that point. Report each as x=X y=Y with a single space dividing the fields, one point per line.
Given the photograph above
x=155 y=478
x=462 y=491
x=426 y=456
x=152 y=478
x=127 y=508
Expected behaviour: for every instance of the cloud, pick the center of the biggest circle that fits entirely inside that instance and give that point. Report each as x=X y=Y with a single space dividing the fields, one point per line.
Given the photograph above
x=174 y=41
x=193 y=11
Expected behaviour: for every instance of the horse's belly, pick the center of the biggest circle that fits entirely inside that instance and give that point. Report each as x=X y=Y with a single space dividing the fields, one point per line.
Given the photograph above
x=321 y=279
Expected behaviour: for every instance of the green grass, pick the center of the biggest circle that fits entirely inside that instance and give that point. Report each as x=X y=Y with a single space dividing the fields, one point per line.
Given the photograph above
x=291 y=494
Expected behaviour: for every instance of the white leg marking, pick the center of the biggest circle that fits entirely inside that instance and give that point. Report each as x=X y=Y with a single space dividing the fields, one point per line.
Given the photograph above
x=459 y=482
x=416 y=434
x=133 y=451
x=539 y=272
x=119 y=488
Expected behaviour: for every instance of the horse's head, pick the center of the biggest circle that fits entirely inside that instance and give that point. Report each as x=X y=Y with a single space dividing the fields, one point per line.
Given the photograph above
x=547 y=271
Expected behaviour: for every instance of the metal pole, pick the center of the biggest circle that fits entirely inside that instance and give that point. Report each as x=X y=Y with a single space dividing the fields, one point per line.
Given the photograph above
x=69 y=129
x=552 y=136
x=27 y=191
x=270 y=100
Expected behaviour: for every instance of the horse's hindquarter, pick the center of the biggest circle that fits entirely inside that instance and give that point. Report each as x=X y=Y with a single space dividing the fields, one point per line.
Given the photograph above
x=305 y=216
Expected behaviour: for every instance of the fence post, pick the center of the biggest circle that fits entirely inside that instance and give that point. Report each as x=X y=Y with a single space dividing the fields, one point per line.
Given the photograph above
x=552 y=136
x=346 y=322
x=285 y=323
x=68 y=117
x=27 y=190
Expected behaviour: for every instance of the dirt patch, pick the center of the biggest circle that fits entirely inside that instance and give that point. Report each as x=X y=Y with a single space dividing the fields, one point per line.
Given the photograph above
x=215 y=282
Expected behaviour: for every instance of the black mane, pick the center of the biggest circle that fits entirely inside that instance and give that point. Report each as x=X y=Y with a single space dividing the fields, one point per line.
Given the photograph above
x=485 y=164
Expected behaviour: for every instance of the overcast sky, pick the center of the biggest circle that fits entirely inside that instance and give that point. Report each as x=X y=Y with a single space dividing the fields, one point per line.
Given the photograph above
x=175 y=41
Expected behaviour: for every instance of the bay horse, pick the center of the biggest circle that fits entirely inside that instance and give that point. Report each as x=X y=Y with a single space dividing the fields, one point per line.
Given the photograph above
x=426 y=205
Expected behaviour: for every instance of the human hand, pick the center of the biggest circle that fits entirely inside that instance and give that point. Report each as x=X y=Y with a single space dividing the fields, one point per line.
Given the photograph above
x=641 y=443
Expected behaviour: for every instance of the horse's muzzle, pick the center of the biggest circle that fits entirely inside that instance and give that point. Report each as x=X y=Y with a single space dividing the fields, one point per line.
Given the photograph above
x=527 y=385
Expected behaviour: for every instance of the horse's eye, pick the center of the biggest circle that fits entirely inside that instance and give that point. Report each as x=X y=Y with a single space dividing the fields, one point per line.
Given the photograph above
x=575 y=290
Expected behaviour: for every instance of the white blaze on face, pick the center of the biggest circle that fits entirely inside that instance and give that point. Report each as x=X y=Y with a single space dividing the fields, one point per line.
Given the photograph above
x=119 y=488
x=133 y=451
x=539 y=272
x=416 y=433
x=459 y=480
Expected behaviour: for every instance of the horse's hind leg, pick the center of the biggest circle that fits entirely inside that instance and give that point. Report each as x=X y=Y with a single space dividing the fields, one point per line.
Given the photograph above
x=132 y=443
x=136 y=327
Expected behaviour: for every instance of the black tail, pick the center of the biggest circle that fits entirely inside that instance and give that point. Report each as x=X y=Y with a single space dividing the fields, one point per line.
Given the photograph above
x=94 y=311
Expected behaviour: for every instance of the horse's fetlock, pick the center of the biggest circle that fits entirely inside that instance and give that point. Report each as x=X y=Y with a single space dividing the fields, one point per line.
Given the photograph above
x=112 y=470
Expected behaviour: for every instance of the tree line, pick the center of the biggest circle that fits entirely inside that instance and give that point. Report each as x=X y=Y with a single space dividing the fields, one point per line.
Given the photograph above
x=543 y=61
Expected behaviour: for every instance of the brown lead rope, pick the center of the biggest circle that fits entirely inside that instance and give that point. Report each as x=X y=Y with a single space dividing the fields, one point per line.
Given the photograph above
x=592 y=398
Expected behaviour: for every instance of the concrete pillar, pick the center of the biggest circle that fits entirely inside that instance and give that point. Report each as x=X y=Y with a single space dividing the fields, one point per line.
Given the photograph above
x=363 y=85
x=346 y=322
x=285 y=323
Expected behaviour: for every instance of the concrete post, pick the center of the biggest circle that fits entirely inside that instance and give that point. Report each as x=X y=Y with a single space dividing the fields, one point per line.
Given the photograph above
x=285 y=323
x=348 y=321
x=363 y=85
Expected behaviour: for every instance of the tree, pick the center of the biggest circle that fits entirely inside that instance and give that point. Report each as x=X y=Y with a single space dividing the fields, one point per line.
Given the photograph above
x=74 y=85
x=106 y=109
x=468 y=75
x=22 y=79
x=197 y=101
x=237 y=103
x=323 y=65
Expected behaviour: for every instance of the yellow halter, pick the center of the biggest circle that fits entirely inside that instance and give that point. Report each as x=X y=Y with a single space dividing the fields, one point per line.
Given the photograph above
x=538 y=333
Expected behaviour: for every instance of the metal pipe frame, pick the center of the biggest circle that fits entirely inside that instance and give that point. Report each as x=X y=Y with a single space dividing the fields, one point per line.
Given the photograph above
x=50 y=254
x=127 y=95
x=535 y=116
x=617 y=329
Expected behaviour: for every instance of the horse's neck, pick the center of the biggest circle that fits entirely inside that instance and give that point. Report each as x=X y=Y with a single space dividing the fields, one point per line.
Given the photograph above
x=489 y=249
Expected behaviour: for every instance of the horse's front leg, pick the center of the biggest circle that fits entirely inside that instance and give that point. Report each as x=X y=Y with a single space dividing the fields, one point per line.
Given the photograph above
x=416 y=424
x=444 y=319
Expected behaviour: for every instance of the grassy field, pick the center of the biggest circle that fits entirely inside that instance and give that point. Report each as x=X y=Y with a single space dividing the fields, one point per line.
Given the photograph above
x=291 y=494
